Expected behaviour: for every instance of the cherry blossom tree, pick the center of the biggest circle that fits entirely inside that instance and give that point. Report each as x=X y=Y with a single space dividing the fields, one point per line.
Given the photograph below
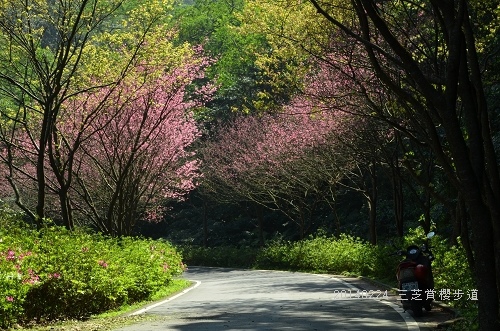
x=47 y=51
x=278 y=160
x=342 y=83
x=118 y=152
x=324 y=138
x=127 y=148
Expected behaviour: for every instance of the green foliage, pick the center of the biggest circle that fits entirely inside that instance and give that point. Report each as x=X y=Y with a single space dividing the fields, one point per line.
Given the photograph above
x=342 y=255
x=243 y=85
x=57 y=274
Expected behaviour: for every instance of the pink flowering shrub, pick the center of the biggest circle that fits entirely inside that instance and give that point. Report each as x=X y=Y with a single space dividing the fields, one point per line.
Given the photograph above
x=56 y=274
x=15 y=281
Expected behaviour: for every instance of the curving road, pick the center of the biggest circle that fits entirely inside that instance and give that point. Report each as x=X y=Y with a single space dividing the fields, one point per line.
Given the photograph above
x=231 y=299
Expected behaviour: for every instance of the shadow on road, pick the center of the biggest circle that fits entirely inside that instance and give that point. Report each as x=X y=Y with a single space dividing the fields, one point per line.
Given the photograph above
x=238 y=299
x=297 y=315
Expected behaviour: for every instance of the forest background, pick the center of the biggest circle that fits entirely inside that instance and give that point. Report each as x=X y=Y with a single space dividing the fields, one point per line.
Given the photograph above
x=245 y=124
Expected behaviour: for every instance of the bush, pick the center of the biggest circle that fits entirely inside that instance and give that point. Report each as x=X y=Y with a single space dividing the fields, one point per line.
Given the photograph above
x=59 y=274
x=349 y=255
x=344 y=254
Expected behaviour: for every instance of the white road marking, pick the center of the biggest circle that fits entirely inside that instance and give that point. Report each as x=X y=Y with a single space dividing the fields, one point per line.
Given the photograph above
x=145 y=309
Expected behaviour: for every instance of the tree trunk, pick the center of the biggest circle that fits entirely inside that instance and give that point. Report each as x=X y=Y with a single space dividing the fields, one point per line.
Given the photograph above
x=66 y=211
x=40 y=173
x=427 y=212
x=260 y=224
x=302 y=226
x=372 y=204
x=463 y=226
x=398 y=199
x=205 y=224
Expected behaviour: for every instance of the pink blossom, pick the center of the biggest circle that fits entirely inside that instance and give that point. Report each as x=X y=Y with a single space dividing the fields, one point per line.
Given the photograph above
x=9 y=298
x=279 y=159
x=103 y=263
x=55 y=275
x=23 y=255
x=11 y=255
x=33 y=277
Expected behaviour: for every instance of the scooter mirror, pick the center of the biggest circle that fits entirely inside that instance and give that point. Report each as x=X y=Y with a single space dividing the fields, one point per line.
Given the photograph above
x=430 y=235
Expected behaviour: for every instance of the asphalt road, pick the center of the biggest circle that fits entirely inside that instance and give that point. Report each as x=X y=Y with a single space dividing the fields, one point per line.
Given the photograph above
x=230 y=299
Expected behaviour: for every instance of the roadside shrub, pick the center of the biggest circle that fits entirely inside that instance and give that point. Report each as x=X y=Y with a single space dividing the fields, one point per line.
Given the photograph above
x=14 y=263
x=59 y=274
x=344 y=254
x=348 y=255
x=385 y=265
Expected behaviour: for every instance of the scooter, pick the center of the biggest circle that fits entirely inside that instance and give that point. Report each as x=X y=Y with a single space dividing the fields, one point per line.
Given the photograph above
x=415 y=279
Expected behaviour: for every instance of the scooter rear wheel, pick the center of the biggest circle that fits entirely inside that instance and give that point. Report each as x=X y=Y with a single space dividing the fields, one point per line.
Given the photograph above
x=416 y=307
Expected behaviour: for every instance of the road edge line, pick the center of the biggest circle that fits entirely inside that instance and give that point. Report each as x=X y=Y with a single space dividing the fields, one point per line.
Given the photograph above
x=154 y=305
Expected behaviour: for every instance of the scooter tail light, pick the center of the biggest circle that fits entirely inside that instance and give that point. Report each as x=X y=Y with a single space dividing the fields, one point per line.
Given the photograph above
x=421 y=272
